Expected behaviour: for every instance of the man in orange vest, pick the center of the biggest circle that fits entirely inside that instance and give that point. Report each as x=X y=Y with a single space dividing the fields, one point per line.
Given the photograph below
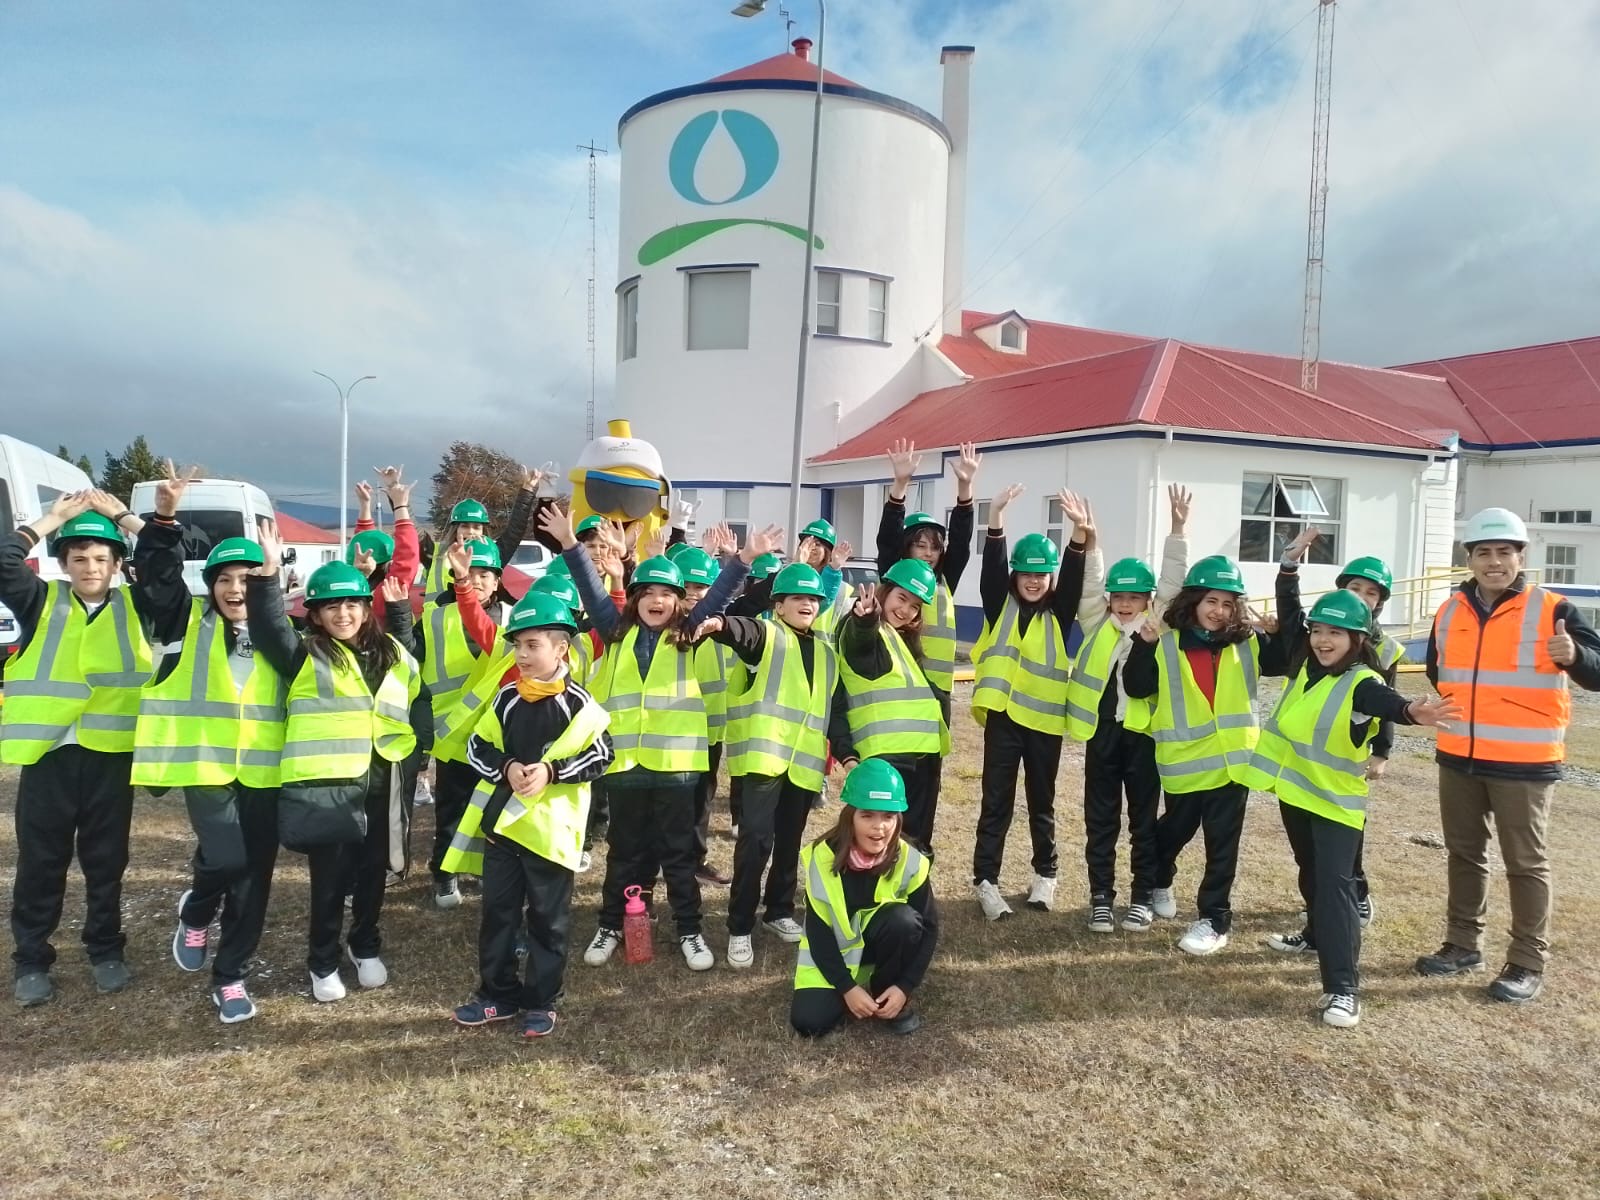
x=1505 y=651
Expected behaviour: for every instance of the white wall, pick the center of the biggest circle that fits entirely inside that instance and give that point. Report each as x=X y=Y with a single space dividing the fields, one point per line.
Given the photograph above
x=1528 y=481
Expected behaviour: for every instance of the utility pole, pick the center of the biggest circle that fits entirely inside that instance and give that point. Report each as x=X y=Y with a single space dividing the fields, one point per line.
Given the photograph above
x=1317 y=218
x=592 y=150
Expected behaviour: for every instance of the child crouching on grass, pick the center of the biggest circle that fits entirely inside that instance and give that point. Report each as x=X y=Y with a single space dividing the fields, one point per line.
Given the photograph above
x=538 y=747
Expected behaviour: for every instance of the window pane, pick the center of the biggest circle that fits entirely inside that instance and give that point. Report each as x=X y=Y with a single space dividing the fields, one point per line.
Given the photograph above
x=1332 y=493
x=740 y=531
x=980 y=525
x=1325 y=550
x=877 y=307
x=1256 y=497
x=736 y=505
x=719 y=310
x=1055 y=536
x=828 y=284
x=1300 y=497
x=1053 y=514
x=1547 y=516
x=1255 y=541
x=875 y=325
x=1585 y=516
x=1010 y=336
x=628 y=323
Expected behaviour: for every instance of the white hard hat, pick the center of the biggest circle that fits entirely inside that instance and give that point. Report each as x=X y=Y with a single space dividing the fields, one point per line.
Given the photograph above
x=1495 y=525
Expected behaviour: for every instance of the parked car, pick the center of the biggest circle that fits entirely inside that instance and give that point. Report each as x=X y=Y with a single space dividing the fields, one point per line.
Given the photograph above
x=860 y=572
x=212 y=510
x=31 y=480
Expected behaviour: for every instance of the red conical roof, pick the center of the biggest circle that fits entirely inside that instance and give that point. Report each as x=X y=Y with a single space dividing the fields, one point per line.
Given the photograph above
x=796 y=66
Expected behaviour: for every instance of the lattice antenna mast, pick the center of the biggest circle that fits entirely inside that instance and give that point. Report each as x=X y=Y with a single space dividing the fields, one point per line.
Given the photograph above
x=1317 y=219
x=592 y=150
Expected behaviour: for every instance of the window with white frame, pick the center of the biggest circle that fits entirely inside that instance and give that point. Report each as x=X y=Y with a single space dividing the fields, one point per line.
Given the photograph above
x=718 y=309
x=1275 y=508
x=1560 y=564
x=877 y=308
x=980 y=523
x=1566 y=516
x=1056 y=526
x=736 y=512
x=829 y=284
x=919 y=495
x=1011 y=336
x=628 y=321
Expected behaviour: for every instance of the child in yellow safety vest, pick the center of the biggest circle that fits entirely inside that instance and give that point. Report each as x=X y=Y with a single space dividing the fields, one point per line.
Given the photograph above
x=1019 y=695
x=537 y=748
x=779 y=716
x=352 y=729
x=890 y=709
x=1201 y=674
x=871 y=924
x=71 y=694
x=1313 y=755
x=211 y=723
x=1119 y=756
x=646 y=680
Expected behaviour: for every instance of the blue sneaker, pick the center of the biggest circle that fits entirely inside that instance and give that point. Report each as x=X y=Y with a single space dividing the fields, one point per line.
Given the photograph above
x=189 y=942
x=477 y=1012
x=233 y=1003
x=539 y=1022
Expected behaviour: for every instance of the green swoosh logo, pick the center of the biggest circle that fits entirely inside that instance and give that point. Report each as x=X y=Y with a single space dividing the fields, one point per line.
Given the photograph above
x=668 y=242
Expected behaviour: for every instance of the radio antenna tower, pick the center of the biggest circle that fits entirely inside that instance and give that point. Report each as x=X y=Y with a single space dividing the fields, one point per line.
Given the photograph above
x=592 y=150
x=1317 y=220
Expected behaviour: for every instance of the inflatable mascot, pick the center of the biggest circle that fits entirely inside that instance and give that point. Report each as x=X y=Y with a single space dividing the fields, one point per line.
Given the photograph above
x=620 y=478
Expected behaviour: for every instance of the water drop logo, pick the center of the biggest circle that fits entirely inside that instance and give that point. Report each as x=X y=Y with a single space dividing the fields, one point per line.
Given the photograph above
x=757 y=148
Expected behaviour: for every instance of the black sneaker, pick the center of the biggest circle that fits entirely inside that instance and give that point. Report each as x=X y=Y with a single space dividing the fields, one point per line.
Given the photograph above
x=1516 y=985
x=1101 y=918
x=446 y=892
x=1291 y=943
x=1451 y=959
x=907 y=1023
x=477 y=1012
x=1365 y=911
x=111 y=976
x=34 y=989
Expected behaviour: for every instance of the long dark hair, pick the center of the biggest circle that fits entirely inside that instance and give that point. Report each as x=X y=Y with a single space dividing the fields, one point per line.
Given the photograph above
x=1362 y=653
x=843 y=834
x=371 y=644
x=911 y=635
x=676 y=631
x=1182 y=614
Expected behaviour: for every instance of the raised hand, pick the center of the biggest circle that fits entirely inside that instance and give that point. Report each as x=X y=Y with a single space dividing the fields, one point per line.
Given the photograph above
x=998 y=506
x=399 y=494
x=1563 y=651
x=866 y=602
x=1150 y=631
x=169 y=491
x=903 y=459
x=69 y=505
x=271 y=548
x=965 y=467
x=105 y=503
x=1295 y=551
x=557 y=522
x=1434 y=710
x=1075 y=509
x=363 y=491
x=761 y=541
x=394 y=590
x=1178 y=498
x=365 y=562
x=683 y=512
x=708 y=627
x=655 y=545
x=533 y=478
x=460 y=560
x=841 y=555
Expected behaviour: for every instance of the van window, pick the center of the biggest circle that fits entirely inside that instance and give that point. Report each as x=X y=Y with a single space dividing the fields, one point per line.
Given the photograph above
x=8 y=516
x=205 y=527
x=47 y=497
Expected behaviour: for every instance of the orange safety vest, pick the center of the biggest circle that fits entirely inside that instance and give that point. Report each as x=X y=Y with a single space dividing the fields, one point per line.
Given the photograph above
x=1500 y=672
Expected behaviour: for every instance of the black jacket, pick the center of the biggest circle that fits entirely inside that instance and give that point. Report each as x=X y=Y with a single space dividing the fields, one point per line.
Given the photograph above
x=957 y=541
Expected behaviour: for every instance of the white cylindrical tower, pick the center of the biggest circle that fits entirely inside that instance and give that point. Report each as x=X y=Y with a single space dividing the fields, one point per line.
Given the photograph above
x=713 y=214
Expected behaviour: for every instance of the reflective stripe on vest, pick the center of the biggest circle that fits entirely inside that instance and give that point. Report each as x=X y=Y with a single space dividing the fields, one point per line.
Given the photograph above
x=454 y=726
x=1306 y=755
x=658 y=723
x=897 y=712
x=938 y=638
x=452 y=658
x=438 y=577
x=825 y=897
x=1515 y=697
x=777 y=722
x=1090 y=678
x=196 y=728
x=713 y=667
x=336 y=725
x=1023 y=675
x=1200 y=746
x=1389 y=651
x=75 y=672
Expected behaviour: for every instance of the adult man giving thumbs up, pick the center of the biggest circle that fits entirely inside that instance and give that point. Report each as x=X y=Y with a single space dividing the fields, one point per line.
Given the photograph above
x=1504 y=651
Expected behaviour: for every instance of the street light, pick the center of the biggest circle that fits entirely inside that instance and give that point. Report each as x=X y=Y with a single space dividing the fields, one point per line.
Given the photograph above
x=344 y=451
x=750 y=8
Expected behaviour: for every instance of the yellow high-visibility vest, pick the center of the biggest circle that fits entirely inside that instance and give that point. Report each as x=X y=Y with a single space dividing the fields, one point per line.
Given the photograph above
x=714 y=666
x=1091 y=675
x=896 y=712
x=825 y=897
x=336 y=723
x=1022 y=674
x=777 y=722
x=659 y=722
x=1200 y=746
x=452 y=659
x=938 y=636
x=1306 y=754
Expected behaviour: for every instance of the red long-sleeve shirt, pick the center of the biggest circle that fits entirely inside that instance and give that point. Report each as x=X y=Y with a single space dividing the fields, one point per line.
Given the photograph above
x=407 y=556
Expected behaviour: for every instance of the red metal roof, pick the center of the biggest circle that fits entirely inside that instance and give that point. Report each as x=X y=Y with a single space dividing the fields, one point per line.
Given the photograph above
x=784 y=67
x=1526 y=395
x=1047 y=343
x=296 y=532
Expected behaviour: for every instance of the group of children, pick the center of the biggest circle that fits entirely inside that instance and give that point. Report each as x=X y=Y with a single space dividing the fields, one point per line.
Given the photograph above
x=619 y=683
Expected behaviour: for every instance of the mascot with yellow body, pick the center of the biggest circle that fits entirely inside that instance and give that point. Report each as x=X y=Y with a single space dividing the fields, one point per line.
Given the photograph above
x=620 y=478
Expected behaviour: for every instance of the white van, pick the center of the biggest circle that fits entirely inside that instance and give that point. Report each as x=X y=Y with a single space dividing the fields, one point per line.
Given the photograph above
x=31 y=479
x=211 y=511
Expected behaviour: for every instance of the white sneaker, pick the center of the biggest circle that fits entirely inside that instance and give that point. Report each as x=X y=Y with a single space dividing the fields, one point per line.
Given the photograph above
x=603 y=947
x=1202 y=938
x=1162 y=903
x=696 y=953
x=992 y=902
x=370 y=972
x=787 y=929
x=1042 y=894
x=325 y=989
x=1342 y=1012
x=733 y=831
x=741 y=951
x=584 y=862
x=1101 y=919
x=424 y=796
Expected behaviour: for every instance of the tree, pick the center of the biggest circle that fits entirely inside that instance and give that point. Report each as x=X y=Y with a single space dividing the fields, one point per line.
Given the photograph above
x=81 y=461
x=136 y=464
x=469 y=470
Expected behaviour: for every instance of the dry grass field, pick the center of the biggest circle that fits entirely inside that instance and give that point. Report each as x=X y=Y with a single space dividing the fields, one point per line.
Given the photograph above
x=1055 y=1062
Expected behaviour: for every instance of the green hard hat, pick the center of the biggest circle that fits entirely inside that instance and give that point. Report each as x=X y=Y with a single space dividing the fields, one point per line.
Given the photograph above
x=469 y=512
x=537 y=610
x=337 y=581
x=592 y=521
x=659 y=569
x=1035 y=554
x=797 y=579
x=822 y=531
x=1218 y=573
x=676 y=548
x=915 y=576
x=370 y=541
x=876 y=786
x=558 y=567
x=764 y=565
x=96 y=527
x=232 y=552
x=559 y=586
x=1343 y=610
x=484 y=554
x=697 y=566
x=1130 y=575
x=1374 y=569
x=921 y=520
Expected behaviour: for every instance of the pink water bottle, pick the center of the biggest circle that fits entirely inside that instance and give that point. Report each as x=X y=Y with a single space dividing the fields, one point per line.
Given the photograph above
x=636 y=946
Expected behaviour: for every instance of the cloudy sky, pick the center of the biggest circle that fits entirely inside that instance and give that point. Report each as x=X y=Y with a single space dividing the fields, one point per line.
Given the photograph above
x=203 y=203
